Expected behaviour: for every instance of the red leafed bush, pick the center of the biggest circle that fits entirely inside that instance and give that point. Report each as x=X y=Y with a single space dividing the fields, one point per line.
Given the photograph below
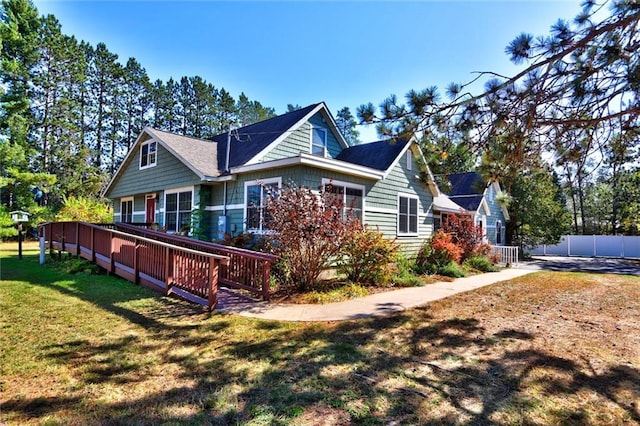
x=464 y=233
x=307 y=230
x=445 y=249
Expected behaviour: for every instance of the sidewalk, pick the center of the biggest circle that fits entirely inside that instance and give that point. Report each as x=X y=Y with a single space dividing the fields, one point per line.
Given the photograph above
x=380 y=304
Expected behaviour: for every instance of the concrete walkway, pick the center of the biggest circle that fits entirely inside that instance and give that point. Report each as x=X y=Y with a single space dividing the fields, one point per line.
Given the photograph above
x=380 y=304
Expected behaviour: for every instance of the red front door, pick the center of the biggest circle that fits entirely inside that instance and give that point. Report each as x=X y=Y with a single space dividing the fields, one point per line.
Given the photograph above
x=151 y=210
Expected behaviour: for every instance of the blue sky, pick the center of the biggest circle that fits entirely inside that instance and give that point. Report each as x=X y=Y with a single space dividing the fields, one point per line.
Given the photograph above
x=302 y=52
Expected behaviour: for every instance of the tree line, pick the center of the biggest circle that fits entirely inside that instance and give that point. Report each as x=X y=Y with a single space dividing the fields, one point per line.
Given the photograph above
x=71 y=111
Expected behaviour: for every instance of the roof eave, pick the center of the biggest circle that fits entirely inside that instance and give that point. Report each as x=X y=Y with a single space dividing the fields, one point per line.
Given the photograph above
x=314 y=161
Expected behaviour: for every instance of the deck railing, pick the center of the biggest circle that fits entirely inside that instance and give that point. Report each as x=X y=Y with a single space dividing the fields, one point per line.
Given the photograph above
x=188 y=273
x=248 y=270
x=507 y=255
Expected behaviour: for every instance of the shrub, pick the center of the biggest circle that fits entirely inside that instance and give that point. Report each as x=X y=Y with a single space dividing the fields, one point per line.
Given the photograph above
x=365 y=255
x=464 y=233
x=452 y=269
x=437 y=253
x=84 y=209
x=309 y=231
x=481 y=263
x=7 y=227
x=445 y=250
x=404 y=273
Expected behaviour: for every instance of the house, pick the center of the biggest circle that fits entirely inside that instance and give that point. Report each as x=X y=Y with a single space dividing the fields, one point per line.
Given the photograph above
x=478 y=198
x=218 y=186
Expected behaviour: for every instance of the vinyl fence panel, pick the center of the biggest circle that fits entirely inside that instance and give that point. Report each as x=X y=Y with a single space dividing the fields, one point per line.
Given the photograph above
x=592 y=246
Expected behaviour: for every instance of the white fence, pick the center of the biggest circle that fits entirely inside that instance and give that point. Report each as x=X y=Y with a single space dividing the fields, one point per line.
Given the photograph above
x=507 y=255
x=592 y=246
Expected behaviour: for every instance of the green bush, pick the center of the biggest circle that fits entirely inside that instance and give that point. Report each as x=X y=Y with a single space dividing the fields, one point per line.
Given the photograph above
x=481 y=263
x=405 y=273
x=452 y=269
x=7 y=227
x=85 y=209
x=366 y=255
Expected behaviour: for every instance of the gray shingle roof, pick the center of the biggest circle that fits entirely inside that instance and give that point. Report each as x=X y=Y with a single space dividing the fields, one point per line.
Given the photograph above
x=467 y=189
x=249 y=141
x=376 y=155
x=199 y=154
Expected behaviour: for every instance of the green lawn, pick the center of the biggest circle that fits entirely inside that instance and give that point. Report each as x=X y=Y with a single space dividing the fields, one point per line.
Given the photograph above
x=549 y=348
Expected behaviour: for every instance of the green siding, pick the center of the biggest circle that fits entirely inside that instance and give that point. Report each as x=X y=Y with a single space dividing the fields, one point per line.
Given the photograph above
x=379 y=195
x=299 y=141
x=169 y=172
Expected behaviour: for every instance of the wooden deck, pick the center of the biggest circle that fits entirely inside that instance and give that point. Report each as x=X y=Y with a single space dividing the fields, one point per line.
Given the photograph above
x=190 y=269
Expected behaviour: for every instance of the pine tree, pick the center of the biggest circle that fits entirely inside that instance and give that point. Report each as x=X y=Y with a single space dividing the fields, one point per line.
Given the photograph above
x=347 y=125
x=19 y=58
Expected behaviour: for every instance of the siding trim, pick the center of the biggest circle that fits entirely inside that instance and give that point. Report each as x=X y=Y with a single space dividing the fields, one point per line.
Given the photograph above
x=382 y=210
x=221 y=207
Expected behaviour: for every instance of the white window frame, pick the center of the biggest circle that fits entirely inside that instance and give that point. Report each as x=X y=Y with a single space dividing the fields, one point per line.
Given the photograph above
x=126 y=200
x=164 y=207
x=262 y=183
x=148 y=155
x=324 y=142
x=409 y=159
x=327 y=181
x=408 y=233
x=499 y=231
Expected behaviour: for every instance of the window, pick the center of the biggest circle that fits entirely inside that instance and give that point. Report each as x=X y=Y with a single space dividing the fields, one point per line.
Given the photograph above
x=255 y=195
x=177 y=210
x=126 y=210
x=409 y=159
x=318 y=141
x=498 y=232
x=407 y=215
x=437 y=223
x=148 y=154
x=352 y=197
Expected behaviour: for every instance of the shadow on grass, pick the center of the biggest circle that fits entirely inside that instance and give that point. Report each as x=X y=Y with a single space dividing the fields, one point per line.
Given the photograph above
x=227 y=370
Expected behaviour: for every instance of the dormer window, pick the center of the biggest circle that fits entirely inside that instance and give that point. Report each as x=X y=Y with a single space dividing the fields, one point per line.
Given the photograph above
x=148 y=154
x=319 y=141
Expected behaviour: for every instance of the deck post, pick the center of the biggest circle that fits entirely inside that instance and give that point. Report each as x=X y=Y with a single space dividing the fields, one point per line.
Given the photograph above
x=77 y=238
x=136 y=269
x=93 y=244
x=43 y=246
x=112 y=261
x=213 y=283
x=168 y=269
x=266 y=273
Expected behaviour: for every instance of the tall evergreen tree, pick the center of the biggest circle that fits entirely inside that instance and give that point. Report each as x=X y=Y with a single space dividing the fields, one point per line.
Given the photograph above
x=20 y=55
x=347 y=125
x=137 y=93
x=102 y=69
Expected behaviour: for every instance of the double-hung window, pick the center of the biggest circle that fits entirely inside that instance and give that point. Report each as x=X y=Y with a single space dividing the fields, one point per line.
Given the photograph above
x=352 y=197
x=319 y=141
x=126 y=210
x=255 y=195
x=498 y=232
x=177 y=210
x=148 y=154
x=407 y=215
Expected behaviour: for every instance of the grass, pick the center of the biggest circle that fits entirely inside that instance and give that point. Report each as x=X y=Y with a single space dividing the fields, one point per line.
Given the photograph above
x=548 y=348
